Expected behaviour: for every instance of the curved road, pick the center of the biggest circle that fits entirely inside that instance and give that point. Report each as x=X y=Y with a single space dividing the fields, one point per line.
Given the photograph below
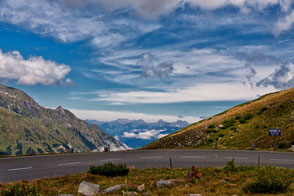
x=32 y=167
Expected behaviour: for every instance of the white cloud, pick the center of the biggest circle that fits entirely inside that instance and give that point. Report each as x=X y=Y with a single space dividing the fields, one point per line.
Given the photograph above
x=284 y=24
x=200 y=92
x=31 y=71
x=102 y=115
x=282 y=78
x=151 y=9
x=145 y=134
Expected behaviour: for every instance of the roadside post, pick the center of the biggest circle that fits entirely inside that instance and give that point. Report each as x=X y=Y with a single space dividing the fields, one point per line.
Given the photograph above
x=275 y=133
x=252 y=146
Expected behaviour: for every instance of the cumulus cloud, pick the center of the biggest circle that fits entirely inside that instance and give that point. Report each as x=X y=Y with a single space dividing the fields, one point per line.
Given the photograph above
x=284 y=24
x=282 y=78
x=145 y=134
x=250 y=74
x=161 y=70
x=31 y=71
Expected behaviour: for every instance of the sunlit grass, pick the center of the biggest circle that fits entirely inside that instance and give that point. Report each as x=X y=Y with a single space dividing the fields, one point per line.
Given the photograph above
x=215 y=181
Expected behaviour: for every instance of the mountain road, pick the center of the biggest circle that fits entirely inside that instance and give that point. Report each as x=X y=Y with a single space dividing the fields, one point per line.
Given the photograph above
x=34 y=167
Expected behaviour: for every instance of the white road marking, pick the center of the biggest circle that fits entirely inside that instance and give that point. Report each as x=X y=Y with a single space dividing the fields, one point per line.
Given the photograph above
x=72 y=163
x=281 y=160
x=17 y=169
x=105 y=160
x=237 y=158
x=158 y=157
x=193 y=157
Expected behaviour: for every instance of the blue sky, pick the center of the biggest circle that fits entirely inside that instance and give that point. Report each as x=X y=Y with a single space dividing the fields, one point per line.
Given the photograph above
x=150 y=59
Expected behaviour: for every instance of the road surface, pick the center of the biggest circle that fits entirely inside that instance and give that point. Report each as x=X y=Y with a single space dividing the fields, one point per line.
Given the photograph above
x=33 y=167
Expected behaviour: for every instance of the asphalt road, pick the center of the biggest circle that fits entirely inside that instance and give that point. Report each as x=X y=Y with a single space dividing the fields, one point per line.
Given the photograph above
x=33 y=167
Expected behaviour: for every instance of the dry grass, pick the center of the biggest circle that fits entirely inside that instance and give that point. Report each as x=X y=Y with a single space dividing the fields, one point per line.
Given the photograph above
x=215 y=181
x=275 y=110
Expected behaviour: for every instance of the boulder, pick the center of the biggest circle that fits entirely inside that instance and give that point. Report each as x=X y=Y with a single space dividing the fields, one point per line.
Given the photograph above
x=141 y=187
x=114 y=188
x=88 y=189
x=194 y=173
x=162 y=183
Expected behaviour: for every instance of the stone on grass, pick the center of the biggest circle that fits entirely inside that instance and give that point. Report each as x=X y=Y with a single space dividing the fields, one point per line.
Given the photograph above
x=88 y=189
x=194 y=195
x=131 y=193
x=114 y=188
x=162 y=183
x=141 y=187
x=194 y=173
x=65 y=195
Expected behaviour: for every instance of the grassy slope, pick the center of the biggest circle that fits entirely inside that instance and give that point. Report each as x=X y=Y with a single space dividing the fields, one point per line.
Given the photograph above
x=215 y=181
x=26 y=127
x=275 y=110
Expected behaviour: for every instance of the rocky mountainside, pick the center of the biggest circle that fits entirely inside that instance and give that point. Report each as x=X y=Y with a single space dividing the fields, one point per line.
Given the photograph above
x=26 y=128
x=240 y=126
x=136 y=133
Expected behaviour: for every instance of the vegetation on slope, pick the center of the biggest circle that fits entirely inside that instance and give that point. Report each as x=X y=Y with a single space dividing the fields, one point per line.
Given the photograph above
x=240 y=126
x=236 y=180
x=28 y=128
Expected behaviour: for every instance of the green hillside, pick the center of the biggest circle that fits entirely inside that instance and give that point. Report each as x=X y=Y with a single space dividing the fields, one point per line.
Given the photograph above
x=240 y=126
x=28 y=128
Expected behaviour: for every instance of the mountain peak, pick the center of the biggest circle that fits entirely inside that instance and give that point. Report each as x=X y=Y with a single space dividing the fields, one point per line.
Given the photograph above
x=40 y=130
x=61 y=109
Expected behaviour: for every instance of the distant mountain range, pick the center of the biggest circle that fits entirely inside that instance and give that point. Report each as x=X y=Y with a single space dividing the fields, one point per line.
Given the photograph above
x=136 y=133
x=28 y=128
x=240 y=127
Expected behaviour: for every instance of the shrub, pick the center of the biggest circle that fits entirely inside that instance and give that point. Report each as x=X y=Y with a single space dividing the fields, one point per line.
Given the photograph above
x=233 y=128
x=262 y=110
x=110 y=170
x=208 y=131
x=230 y=166
x=242 y=121
x=212 y=126
x=272 y=184
x=248 y=116
x=210 y=140
x=283 y=145
x=238 y=117
x=221 y=135
x=228 y=123
x=19 y=190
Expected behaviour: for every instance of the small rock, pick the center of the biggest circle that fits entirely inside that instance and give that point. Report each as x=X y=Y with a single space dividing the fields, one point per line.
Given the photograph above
x=194 y=172
x=162 y=183
x=114 y=188
x=195 y=195
x=141 y=187
x=132 y=167
x=88 y=188
x=131 y=193
x=65 y=195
